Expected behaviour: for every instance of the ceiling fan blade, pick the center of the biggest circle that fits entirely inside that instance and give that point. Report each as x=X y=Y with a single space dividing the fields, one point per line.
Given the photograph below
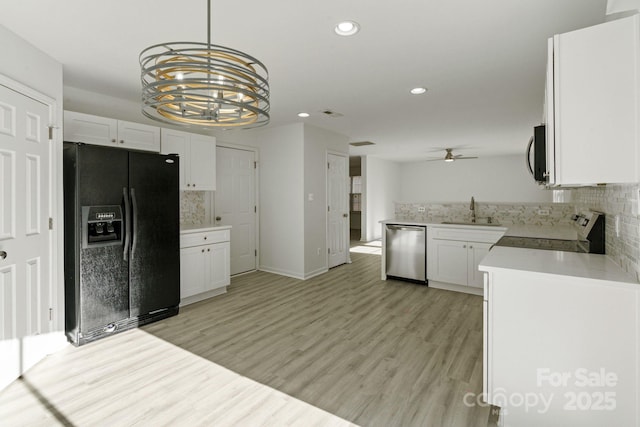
x=449 y=157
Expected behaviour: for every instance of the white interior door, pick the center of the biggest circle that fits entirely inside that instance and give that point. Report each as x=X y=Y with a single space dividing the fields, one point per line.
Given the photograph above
x=25 y=294
x=235 y=204
x=338 y=212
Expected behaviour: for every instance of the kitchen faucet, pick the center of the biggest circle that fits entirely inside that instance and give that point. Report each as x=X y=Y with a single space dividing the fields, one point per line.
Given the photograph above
x=472 y=207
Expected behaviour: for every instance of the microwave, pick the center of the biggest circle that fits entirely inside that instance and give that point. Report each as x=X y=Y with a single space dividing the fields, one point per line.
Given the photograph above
x=536 y=155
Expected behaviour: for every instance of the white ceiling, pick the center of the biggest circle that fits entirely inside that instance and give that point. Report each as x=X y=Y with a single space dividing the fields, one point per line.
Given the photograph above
x=482 y=61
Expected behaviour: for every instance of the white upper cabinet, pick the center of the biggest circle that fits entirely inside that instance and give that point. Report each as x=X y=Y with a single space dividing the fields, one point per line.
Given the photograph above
x=80 y=127
x=592 y=104
x=197 y=158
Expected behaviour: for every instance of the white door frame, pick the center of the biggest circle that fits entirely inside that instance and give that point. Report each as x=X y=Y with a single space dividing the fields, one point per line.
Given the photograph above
x=55 y=275
x=256 y=175
x=346 y=243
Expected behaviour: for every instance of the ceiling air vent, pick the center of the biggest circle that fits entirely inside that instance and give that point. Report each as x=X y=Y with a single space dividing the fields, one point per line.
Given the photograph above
x=330 y=113
x=361 y=143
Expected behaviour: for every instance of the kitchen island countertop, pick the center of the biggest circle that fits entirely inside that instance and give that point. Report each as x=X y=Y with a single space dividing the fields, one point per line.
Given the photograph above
x=587 y=266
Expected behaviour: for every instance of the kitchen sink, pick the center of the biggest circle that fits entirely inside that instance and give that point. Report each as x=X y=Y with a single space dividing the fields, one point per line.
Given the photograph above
x=484 y=224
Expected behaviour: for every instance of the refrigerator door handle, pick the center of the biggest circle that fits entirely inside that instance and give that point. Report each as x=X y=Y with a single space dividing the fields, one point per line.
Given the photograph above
x=127 y=228
x=134 y=205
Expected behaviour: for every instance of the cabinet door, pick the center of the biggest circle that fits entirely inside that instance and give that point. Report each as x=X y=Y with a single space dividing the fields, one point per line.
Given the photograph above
x=596 y=102
x=476 y=251
x=79 y=127
x=137 y=136
x=220 y=259
x=449 y=260
x=176 y=142
x=193 y=277
x=202 y=163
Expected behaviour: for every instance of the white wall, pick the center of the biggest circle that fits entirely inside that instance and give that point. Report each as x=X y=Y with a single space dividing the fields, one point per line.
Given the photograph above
x=317 y=142
x=281 y=198
x=30 y=66
x=382 y=181
x=494 y=179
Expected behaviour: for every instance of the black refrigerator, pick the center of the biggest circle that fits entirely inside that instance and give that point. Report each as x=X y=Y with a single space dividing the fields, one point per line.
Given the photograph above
x=121 y=239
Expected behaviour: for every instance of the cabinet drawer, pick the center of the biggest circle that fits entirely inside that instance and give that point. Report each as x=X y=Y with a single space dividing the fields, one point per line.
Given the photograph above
x=204 y=238
x=466 y=235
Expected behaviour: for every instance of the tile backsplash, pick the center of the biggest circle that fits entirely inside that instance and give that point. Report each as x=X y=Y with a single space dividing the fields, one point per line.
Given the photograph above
x=501 y=213
x=620 y=204
x=192 y=207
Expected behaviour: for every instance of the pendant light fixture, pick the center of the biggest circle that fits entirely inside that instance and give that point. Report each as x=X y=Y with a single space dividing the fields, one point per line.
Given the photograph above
x=200 y=84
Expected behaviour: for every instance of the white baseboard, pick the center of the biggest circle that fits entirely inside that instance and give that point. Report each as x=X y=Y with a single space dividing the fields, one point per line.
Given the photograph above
x=282 y=272
x=203 y=296
x=456 y=288
x=316 y=273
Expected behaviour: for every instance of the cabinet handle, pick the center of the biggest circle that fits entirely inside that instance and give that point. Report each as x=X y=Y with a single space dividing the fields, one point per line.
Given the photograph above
x=122 y=141
x=203 y=251
x=464 y=246
x=470 y=247
x=218 y=218
x=208 y=250
x=188 y=185
x=113 y=140
x=3 y=255
x=205 y=237
x=194 y=185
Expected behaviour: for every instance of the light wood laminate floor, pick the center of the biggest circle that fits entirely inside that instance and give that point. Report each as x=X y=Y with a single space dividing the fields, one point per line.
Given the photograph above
x=341 y=348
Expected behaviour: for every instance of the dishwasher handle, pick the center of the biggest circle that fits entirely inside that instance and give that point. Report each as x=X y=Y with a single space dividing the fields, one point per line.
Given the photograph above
x=405 y=227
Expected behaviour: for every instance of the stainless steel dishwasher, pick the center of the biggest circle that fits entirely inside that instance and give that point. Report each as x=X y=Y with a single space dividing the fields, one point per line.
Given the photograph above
x=406 y=251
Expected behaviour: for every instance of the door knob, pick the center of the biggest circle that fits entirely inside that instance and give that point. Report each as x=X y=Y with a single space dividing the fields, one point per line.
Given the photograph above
x=3 y=254
x=345 y=215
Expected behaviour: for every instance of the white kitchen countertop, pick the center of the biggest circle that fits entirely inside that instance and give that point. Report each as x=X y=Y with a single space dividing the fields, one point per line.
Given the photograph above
x=198 y=228
x=589 y=266
x=563 y=232
x=439 y=224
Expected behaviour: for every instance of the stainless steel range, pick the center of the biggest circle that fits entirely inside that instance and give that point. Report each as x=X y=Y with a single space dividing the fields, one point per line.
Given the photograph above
x=590 y=231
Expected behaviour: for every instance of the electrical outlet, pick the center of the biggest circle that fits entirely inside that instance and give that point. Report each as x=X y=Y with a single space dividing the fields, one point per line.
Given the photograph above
x=420 y=208
x=543 y=212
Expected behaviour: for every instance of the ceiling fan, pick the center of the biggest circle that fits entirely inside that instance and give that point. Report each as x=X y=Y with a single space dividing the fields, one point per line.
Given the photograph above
x=450 y=157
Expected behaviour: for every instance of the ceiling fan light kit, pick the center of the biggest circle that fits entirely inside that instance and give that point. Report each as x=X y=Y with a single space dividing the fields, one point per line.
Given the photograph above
x=193 y=83
x=449 y=157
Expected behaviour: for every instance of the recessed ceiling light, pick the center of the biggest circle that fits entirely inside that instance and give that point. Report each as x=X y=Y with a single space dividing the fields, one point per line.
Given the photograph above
x=303 y=115
x=347 y=28
x=418 y=90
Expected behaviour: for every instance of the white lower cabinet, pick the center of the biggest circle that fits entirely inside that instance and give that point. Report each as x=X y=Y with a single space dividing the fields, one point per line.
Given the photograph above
x=567 y=345
x=453 y=254
x=476 y=251
x=205 y=259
